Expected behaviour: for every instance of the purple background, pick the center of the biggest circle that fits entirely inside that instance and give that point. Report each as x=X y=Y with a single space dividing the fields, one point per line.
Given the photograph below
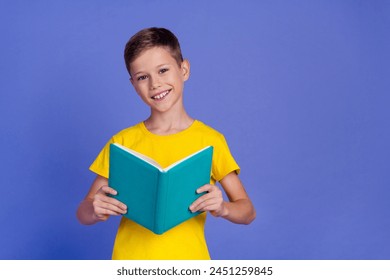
x=299 y=88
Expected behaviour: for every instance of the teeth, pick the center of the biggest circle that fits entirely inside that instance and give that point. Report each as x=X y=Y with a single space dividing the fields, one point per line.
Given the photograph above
x=161 y=95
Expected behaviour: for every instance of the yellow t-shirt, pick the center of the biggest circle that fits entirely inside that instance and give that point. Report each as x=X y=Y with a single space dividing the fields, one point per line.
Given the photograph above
x=187 y=240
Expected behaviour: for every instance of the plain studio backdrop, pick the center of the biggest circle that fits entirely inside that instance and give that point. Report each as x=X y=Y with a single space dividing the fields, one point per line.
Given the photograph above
x=300 y=89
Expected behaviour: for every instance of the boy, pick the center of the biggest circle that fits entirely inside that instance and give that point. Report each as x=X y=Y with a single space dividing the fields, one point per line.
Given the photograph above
x=158 y=72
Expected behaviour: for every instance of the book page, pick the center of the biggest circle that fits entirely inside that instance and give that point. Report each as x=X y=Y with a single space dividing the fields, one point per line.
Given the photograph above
x=184 y=159
x=140 y=156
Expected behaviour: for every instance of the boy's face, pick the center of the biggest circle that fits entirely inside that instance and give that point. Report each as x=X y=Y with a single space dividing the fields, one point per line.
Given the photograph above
x=158 y=79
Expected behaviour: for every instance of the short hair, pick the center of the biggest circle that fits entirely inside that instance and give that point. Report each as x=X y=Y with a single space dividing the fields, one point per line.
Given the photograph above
x=149 y=38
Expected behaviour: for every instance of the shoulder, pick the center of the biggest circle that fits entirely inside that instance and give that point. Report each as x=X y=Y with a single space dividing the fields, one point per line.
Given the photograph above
x=209 y=134
x=208 y=130
x=131 y=132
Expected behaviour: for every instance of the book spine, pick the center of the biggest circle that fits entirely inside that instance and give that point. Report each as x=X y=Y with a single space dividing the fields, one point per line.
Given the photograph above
x=161 y=200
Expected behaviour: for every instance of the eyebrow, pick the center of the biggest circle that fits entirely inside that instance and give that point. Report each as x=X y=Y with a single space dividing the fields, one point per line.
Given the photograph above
x=158 y=66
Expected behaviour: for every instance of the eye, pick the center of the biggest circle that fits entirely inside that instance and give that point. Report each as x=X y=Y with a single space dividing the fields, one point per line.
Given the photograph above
x=163 y=70
x=142 y=77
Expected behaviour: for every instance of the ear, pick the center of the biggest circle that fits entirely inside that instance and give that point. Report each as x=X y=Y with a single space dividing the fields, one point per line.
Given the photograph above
x=185 y=68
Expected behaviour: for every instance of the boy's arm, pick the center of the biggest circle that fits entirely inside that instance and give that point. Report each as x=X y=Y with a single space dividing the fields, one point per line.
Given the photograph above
x=97 y=206
x=239 y=209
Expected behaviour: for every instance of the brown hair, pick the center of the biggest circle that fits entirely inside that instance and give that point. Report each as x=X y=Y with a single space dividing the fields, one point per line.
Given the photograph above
x=149 y=38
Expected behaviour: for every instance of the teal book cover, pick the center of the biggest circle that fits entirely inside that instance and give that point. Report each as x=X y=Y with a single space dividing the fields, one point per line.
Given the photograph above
x=156 y=198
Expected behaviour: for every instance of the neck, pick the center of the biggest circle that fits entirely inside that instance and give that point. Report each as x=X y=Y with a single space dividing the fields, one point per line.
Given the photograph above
x=168 y=122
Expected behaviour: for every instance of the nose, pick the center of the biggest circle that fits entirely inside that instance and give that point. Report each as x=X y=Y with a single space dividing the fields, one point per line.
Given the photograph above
x=154 y=82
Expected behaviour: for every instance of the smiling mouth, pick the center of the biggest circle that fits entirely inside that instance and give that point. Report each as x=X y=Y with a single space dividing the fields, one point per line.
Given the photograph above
x=161 y=95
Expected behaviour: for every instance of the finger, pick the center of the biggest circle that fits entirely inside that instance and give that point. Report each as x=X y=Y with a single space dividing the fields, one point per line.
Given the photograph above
x=104 y=214
x=212 y=207
x=202 y=204
x=209 y=206
x=112 y=200
x=109 y=209
x=203 y=198
x=205 y=188
x=111 y=204
x=107 y=190
x=216 y=192
x=196 y=204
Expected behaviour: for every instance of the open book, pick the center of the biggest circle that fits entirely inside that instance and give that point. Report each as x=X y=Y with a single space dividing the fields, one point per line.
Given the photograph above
x=158 y=198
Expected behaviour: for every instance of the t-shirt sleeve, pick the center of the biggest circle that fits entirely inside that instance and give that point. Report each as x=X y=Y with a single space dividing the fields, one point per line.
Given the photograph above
x=223 y=161
x=100 y=165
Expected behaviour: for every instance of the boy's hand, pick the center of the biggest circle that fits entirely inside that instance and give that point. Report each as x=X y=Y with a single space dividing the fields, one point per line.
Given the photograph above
x=105 y=206
x=212 y=201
